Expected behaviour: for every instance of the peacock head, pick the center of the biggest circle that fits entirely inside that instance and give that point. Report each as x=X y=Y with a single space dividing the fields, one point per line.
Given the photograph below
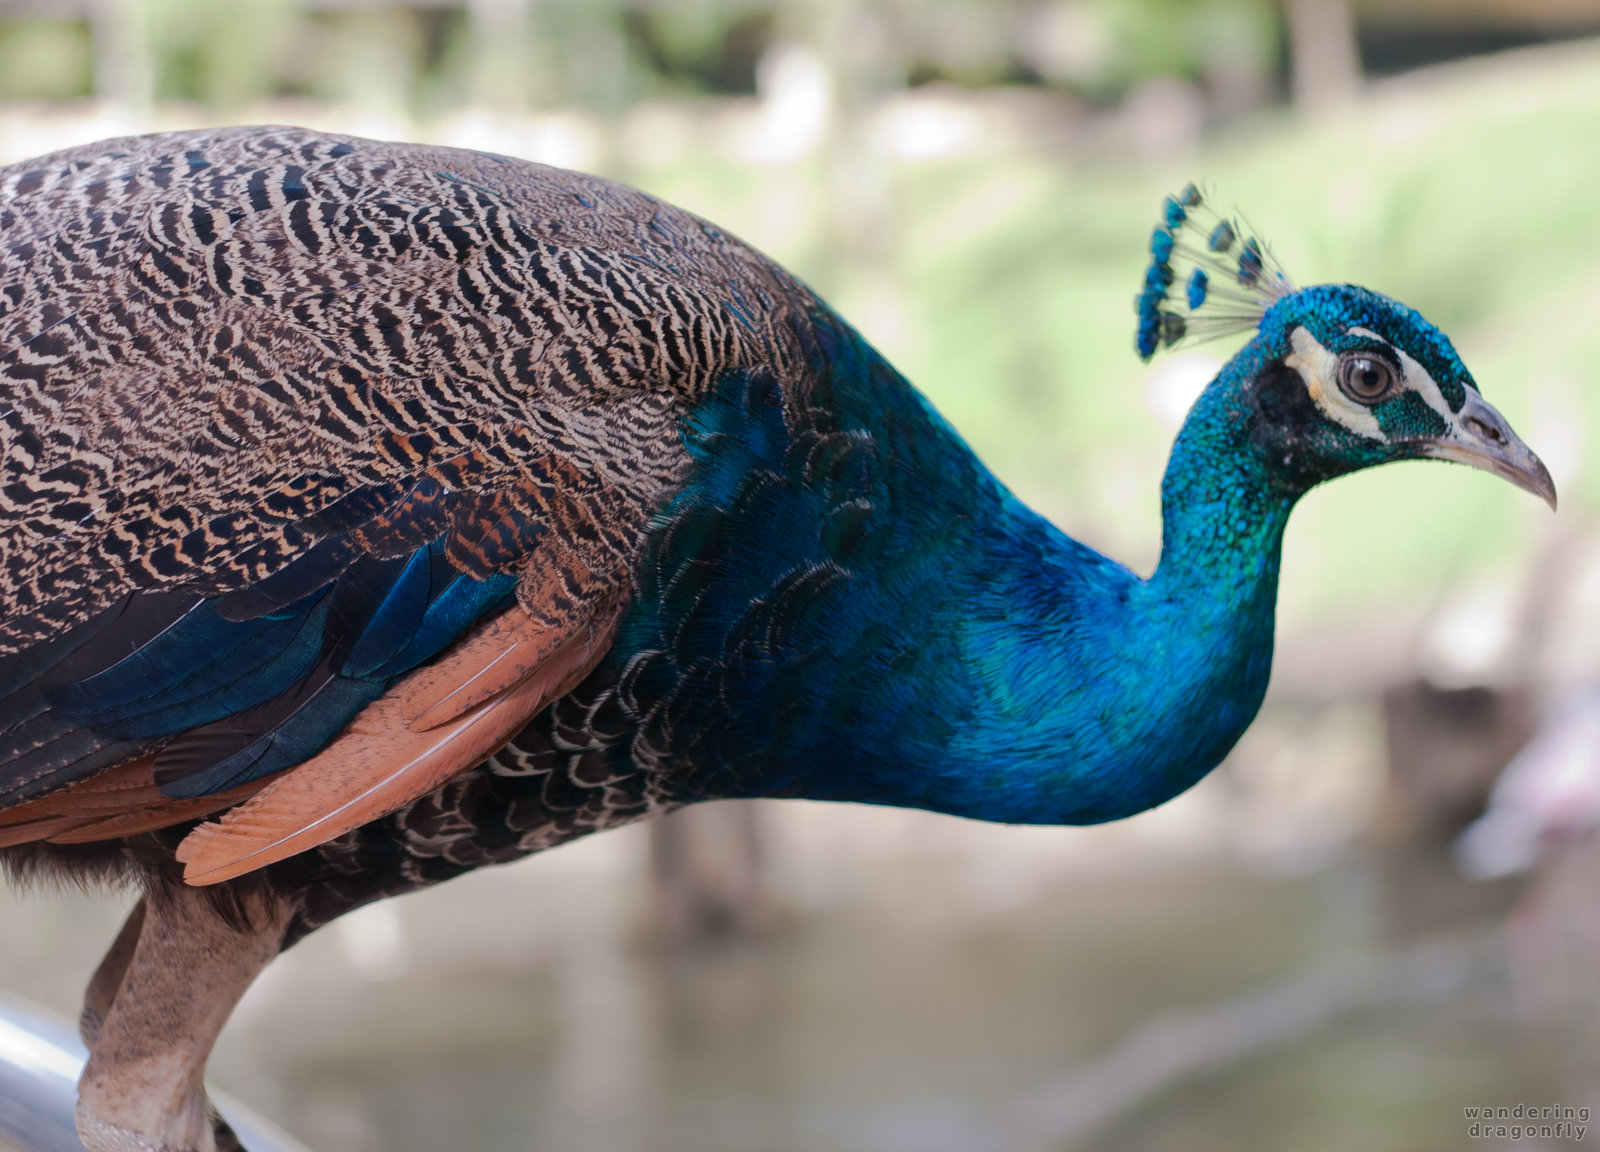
x=1336 y=377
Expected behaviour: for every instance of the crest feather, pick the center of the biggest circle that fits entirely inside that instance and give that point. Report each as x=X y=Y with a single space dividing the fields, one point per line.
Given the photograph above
x=1229 y=277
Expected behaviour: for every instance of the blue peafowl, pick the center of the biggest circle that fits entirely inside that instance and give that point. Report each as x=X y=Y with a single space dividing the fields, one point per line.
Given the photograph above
x=375 y=512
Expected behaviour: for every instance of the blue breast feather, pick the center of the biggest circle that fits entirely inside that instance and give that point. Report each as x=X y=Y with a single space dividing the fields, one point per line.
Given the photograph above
x=845 y=604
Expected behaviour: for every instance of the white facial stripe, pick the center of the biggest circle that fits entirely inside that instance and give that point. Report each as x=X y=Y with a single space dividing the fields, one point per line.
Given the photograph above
x=1425 y=386
x=1317 y=367
x=1417 y=378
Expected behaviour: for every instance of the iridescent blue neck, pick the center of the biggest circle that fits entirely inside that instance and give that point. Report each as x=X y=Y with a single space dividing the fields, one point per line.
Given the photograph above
x=844 y=604
x=1223 y=513
x=1137 y=688
x=1210 y=605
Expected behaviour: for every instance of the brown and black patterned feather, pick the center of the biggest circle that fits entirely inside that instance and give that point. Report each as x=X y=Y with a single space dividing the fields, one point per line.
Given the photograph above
x=241 y=367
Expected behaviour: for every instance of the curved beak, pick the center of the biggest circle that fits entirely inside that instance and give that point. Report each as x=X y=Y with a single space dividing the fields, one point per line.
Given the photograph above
x=1481 y=438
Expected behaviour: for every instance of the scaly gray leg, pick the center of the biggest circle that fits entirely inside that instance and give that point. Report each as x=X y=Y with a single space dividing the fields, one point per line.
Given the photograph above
x=143 y=1089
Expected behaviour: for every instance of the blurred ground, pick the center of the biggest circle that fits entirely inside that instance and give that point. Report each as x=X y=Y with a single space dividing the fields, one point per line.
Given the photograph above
x=932 y=985
x=1286 y=959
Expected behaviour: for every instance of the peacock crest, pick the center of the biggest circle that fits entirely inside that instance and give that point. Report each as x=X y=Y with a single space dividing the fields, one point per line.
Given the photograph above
x=1208 y=276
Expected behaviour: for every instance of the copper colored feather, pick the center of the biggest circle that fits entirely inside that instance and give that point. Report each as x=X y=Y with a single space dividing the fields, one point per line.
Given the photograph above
x=436 y=724
x=121 y=801
x=127 y=786
x=153 y=817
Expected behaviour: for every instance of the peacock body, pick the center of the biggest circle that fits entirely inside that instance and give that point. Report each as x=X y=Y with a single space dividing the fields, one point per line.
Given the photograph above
x=375 y=512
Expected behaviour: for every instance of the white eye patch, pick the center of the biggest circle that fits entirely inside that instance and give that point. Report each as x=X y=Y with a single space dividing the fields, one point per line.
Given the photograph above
x=1417 y=378
x=1317 y=367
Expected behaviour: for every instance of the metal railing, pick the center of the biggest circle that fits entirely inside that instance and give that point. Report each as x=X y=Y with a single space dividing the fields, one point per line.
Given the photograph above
x=40 y=1058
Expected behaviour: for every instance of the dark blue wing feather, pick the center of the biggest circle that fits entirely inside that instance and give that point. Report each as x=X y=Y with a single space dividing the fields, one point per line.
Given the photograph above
x=229 y=688
x=271 y=661
x=397 y=617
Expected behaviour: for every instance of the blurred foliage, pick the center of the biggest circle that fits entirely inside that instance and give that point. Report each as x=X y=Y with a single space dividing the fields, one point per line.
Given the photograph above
x=1107 y=46
x=221 y=54
x=603 y=53
x=44 y=59
x=705 y=46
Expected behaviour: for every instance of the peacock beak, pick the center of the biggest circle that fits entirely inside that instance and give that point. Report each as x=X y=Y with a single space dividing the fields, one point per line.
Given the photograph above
x=1481 y=438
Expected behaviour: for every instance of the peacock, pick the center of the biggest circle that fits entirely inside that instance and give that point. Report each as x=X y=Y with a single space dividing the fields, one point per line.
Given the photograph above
x=374 y=512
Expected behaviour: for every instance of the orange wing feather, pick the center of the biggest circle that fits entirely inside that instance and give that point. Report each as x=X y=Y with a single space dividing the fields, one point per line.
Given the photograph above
x=129 y=784
x=149 y=817
x=121 y=801
x=437 y=723
x=40 y=828
x=502 y=654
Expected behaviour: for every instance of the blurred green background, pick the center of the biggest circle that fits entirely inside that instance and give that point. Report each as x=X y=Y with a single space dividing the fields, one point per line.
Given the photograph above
x=1290 y=957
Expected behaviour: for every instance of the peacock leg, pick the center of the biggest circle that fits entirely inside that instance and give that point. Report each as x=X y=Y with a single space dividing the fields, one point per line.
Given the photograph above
x=103 y=985
x=143 y=1088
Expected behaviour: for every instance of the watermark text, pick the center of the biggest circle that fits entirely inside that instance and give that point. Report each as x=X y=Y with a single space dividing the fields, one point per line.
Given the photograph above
x=1527 y=1122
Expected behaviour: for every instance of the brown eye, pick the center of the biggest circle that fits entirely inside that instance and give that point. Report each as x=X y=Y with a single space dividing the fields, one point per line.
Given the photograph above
x=1366 y=378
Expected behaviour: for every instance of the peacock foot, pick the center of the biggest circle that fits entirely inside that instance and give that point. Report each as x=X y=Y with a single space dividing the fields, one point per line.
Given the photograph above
x=99 y=1135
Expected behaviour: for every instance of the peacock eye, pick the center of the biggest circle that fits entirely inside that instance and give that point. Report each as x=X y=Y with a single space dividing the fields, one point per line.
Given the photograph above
x=1366 y=377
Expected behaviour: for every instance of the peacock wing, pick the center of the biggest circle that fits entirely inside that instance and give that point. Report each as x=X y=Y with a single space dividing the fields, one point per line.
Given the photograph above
x=285 y=417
